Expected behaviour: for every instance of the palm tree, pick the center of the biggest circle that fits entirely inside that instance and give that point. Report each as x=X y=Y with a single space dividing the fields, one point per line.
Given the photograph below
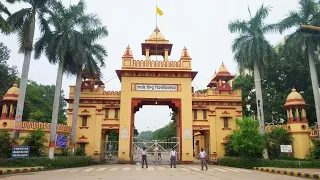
x=23 y=22
x=62 y=46
x=4 y=26
x=252 y=51
x=90 y=65
x=308 y=14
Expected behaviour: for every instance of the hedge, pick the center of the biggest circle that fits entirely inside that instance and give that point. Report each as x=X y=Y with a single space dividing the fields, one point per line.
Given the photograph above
x=57 y=163
x=248 y=163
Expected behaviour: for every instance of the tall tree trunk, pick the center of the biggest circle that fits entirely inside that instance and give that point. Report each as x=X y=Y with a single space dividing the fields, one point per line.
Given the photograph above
x=260 y=113
x=55 y=110
x=75 y=110
x=24 y=78
x=314 y=80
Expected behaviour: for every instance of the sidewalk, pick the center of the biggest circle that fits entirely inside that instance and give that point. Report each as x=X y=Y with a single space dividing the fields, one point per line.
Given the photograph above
x=298 y=172
x=19 y=170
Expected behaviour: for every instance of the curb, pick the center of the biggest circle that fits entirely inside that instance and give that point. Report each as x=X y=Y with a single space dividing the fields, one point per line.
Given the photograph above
x=20 y=170
x=290 y=173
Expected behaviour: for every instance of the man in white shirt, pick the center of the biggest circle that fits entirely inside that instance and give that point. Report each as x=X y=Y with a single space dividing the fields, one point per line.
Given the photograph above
x=203 y=155
x=144 y=157
x=173 y=158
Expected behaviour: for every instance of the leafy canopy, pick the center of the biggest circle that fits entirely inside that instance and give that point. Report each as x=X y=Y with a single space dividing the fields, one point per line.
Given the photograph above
x=246 y=140
x=251 y=46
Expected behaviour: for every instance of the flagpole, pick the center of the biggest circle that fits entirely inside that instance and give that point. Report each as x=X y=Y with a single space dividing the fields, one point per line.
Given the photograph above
x=156 y=32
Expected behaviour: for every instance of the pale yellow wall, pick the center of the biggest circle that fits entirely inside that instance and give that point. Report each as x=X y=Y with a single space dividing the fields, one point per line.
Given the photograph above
x=201 y=144
x=301 y=140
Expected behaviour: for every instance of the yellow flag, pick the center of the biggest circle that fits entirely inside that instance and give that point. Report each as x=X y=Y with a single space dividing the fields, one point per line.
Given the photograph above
x=159 y=11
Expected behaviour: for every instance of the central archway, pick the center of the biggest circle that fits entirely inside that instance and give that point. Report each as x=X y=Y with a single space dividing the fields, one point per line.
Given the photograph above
x=175 y=105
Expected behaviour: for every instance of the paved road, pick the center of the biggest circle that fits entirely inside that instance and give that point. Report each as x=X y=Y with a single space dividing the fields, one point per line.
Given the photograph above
x=134 y=172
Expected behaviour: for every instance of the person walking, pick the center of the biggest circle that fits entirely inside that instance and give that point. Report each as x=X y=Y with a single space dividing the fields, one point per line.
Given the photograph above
x=144 y=157
x=173 y=158
x=203 y=156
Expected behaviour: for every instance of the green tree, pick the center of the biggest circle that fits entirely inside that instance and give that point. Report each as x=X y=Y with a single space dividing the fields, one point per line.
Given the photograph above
x=63 y=45
x=39 y=100
x=23 y=22
x=202 y=91
x=5 y=141
x=36 y=140
x=278 y=136
x=228 y=148
x=252 y=51
x=246 y=140
x=307 y=14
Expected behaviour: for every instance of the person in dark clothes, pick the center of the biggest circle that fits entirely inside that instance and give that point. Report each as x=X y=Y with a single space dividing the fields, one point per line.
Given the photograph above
x=144 y=157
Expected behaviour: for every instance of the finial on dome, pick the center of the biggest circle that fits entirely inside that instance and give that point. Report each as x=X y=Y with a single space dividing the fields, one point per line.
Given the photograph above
x=293 y=89
x=156 y=29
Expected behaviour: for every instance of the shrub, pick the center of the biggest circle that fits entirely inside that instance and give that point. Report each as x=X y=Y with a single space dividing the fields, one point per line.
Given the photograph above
x=228 y=148
x=5 y=144
x=58 y=162
x=315 y=150
x=278 y=136
x=36 y=140
x=247 y=141
x=249 y=163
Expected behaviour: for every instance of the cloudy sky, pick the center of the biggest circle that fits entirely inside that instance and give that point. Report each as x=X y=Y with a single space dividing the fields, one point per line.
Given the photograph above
x=202 y=27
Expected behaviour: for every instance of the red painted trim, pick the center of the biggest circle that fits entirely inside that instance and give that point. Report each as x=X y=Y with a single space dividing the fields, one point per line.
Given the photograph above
x=113 y=125
x=84 y=127
x=225 y=108
x=109 y=119
x=83 y=137
x=198 y=120
x=52 y=144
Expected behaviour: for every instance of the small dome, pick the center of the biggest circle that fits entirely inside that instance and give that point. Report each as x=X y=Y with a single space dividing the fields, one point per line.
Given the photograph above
x=294 y=98
x=12 y=93
x=156 y=35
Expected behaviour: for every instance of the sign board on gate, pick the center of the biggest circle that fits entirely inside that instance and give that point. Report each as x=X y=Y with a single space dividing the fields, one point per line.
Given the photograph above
x=20 y=151
x=62 y=141
x=157 y=87
x=286 y=148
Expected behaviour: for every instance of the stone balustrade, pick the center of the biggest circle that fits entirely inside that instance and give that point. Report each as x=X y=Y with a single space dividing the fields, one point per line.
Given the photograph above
x=39 y=125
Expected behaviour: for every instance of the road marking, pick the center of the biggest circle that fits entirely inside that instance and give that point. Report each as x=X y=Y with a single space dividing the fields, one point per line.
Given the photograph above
x=243 y=170
x=220 y=169
x=231 y=170
x=138 y=169
x=150 y=169
x=196 y=169
x=210 y=169
x=101 y=169
x=113 y=169
x=184 y=169
x=161 y=168
x=126 y=169
x=74 y=170
x=87 y=170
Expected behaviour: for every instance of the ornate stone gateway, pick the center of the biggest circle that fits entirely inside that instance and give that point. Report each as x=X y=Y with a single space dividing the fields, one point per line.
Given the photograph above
x=158 y=150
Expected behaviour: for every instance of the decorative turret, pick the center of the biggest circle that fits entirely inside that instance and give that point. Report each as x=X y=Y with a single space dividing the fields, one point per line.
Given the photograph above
x=295 y=106
x=185 y=54
x=90 y=80
x=127 y=52
x=9 y=102
x=298 y=124
x=156 y=44
x=221 y=80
